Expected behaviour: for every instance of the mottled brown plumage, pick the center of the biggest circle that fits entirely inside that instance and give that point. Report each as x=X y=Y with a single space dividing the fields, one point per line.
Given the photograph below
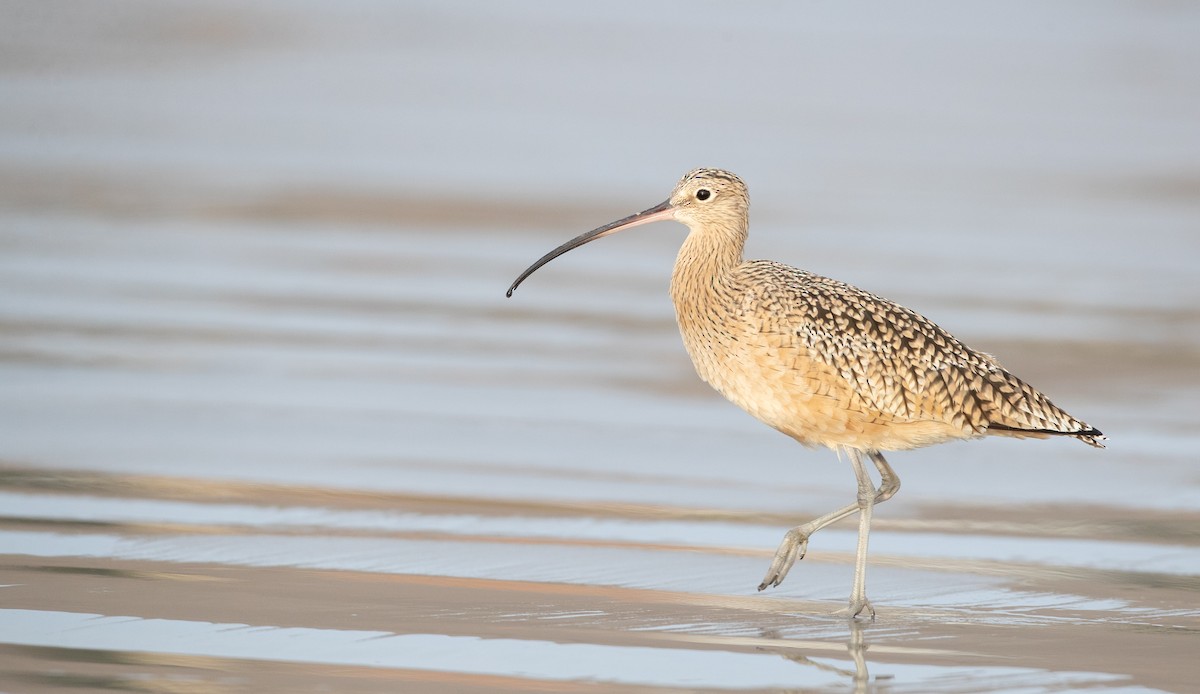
x=826 y=362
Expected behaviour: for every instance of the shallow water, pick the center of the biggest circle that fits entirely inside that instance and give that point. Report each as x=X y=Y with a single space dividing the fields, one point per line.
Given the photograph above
x=268 y=423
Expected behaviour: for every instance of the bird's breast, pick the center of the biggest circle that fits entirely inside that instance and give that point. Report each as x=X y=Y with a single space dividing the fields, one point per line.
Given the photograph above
x=773 y=381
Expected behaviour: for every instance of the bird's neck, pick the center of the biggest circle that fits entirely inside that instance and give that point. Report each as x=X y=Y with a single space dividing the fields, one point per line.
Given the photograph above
x=705 y=259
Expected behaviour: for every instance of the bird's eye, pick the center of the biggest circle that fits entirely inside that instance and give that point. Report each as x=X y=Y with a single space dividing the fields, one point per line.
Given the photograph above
x=703 y=194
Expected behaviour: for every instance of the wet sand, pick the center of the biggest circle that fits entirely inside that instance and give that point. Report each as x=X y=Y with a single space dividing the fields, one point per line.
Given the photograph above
x=267 y=422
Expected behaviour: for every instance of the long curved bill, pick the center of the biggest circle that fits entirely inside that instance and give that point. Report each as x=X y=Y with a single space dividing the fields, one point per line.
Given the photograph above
x=659 y=212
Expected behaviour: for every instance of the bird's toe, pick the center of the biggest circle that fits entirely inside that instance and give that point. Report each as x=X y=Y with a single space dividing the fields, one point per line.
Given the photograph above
x=791 y=550
x=860 y=607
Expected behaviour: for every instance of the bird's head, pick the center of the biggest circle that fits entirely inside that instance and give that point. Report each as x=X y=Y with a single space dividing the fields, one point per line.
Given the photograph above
x=704 y=199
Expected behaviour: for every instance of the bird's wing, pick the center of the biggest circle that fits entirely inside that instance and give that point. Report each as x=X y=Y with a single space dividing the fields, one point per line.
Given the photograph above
x=901 y=364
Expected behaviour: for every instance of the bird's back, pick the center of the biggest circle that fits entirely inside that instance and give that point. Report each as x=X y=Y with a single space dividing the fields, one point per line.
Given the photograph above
x=830 y=364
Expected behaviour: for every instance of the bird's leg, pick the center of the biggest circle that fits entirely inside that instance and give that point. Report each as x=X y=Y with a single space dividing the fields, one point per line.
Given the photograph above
x=866 y=504
x=889 y=482
x=795 y=542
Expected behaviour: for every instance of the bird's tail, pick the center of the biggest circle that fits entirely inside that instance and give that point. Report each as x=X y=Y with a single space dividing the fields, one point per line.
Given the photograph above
x=1089 y=435
x=1016 y=408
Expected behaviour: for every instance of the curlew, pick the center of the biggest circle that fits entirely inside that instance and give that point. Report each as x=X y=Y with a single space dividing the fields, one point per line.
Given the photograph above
x=825 y=362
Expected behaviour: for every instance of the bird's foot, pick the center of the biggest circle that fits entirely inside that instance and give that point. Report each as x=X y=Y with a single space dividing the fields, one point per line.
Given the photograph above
x=792 y=549
x=857 y=607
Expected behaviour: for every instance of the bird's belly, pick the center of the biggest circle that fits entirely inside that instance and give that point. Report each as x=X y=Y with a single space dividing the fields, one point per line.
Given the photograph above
x=809 y=401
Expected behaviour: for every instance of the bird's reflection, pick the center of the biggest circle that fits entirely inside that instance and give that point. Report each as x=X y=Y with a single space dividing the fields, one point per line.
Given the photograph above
x=856 y=645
